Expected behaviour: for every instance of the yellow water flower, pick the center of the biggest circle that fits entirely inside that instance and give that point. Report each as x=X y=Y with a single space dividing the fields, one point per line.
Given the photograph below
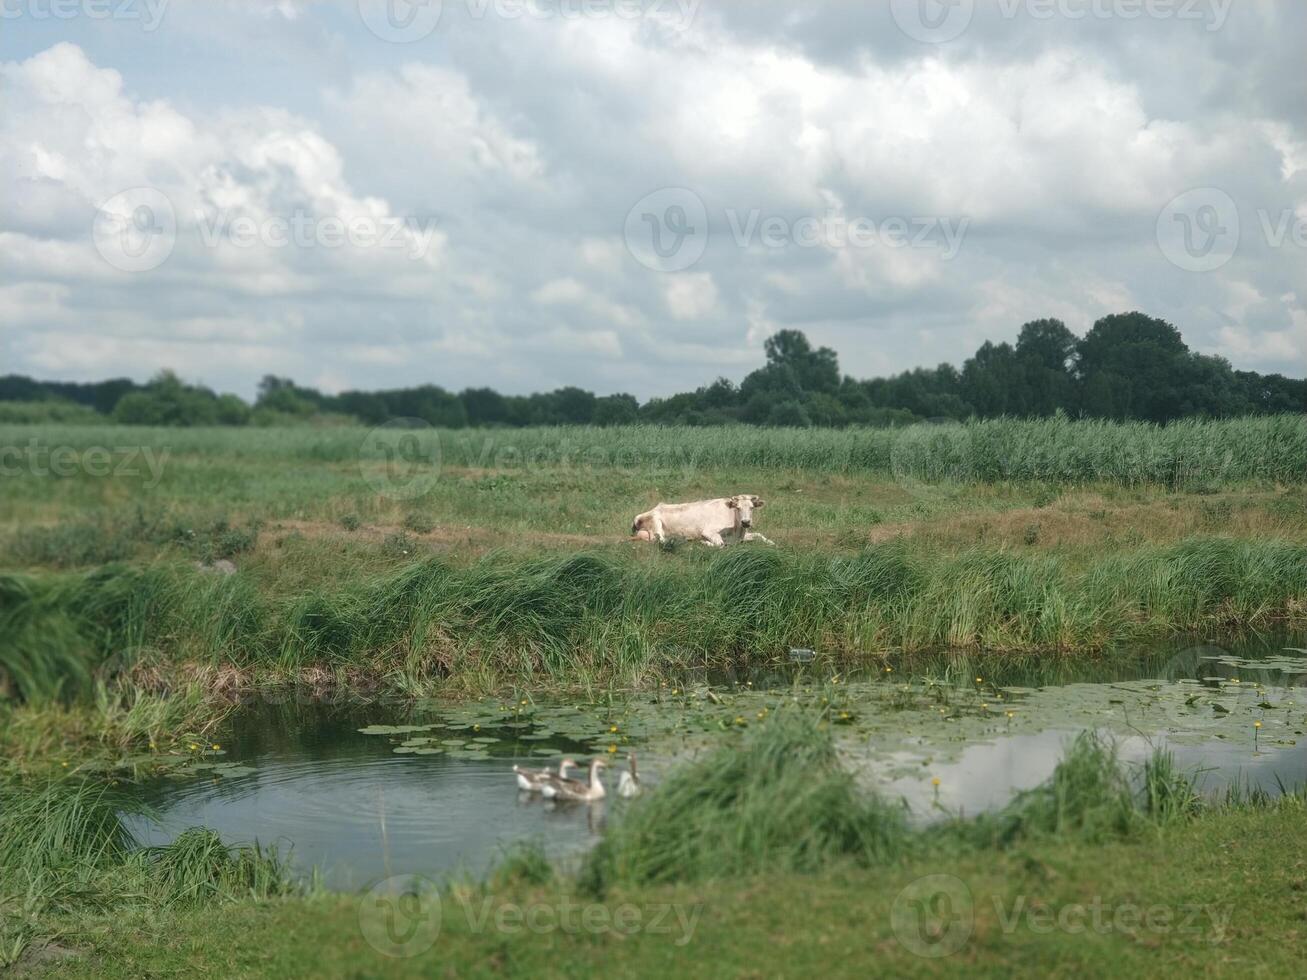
x=612 y=728
x=523 y=701
x=889 y=670
x=64 y=764
x=216 y=747
x=739 y=720
x=1257 y=724
x=980 y=680
x=934 y=781
x=1011 y=714
x=193 y=746
x=612 y=749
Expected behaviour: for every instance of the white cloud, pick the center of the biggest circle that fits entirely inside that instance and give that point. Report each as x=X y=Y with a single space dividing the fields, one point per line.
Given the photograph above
x=519 y=146
x=690 y=296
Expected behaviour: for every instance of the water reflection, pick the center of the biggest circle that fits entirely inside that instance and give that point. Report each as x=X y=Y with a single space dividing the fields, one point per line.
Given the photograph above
x=358 y=811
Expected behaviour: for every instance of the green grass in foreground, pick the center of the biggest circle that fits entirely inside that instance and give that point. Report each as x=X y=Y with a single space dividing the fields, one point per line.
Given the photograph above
x=1221 y=896
x=732 y=868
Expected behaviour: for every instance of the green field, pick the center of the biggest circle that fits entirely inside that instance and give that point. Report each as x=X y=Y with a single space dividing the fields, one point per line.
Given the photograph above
x=459 y=563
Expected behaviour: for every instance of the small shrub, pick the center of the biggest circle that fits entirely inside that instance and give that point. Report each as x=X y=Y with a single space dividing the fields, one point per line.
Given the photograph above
x=1031 y=535
x=418 y=524
x=399 y=545
x=351 y=522
x=1044 y=497
x=197 y=867
x=524 y=863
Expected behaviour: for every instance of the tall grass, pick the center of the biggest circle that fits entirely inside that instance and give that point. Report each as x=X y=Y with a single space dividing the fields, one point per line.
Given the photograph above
x=626 y=617
x=63 y=845
x=197 y=867
x=60 y=825
x=780 y=802
x=1057 y=449
x=43 y=652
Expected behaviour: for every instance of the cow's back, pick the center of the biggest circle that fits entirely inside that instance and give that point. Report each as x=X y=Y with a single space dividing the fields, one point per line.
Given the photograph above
x=692 y=519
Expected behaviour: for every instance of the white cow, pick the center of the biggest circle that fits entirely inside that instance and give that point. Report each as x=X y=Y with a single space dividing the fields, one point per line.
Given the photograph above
x=717 y=522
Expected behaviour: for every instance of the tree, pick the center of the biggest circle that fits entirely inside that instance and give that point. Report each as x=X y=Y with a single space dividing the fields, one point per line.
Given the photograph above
x=814 y=370
x=1140 y=360
x=232 y=410
x=789 y=413
x=993 y=381
x=282 y=395
x=484 y=406
x=167 y=401
x=618 y=409
x=1045 y=351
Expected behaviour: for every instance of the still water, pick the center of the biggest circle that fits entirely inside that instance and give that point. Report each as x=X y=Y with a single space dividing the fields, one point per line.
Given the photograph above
x=427 y=788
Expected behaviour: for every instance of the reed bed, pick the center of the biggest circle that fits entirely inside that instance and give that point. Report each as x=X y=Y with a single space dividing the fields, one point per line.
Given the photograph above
x=1057 y=449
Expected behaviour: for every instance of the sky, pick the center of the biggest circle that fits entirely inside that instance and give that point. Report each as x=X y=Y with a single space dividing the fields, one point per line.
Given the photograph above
x=631 y=195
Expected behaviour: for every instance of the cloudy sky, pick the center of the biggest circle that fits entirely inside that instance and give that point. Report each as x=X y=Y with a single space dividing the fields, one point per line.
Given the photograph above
x=630 y=195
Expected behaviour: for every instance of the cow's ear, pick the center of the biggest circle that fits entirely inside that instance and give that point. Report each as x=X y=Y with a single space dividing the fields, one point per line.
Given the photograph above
x=757 y=501
x=730 y=502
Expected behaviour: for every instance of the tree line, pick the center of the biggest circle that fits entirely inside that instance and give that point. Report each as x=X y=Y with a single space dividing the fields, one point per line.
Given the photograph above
x=1128 y=366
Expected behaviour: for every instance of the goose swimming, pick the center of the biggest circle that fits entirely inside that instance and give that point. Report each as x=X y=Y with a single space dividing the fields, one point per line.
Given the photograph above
x=628 y=783
x=533 y=780
x=561 y=788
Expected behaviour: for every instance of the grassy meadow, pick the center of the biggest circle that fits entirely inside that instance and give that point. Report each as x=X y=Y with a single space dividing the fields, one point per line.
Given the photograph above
x=146 y=574
x=479 y=559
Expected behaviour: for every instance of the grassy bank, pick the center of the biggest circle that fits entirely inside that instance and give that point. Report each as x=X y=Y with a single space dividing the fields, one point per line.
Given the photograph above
x=66 y=857
x=628 y=618
x=1100 y=870
x=1200 y=900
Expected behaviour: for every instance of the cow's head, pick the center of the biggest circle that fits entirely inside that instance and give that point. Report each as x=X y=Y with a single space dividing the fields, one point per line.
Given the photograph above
x=641 y=524
x=744 y=504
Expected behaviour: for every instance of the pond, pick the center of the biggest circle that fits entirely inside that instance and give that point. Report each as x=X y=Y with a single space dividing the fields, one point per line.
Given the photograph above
x=364 y=790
